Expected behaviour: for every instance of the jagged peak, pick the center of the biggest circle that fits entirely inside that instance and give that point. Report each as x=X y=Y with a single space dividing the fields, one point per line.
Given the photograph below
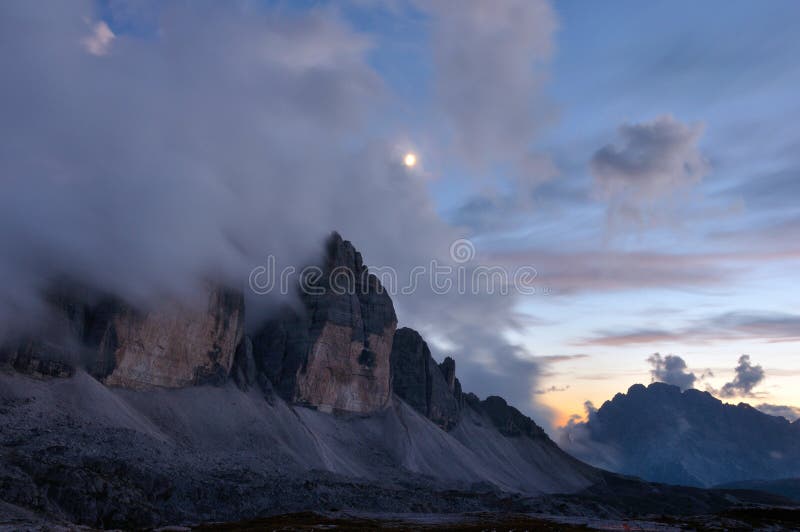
x=342 y=253
x=414 y=375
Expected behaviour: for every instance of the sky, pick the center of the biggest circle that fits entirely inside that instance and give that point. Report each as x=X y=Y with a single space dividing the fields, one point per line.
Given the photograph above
x=642 y=157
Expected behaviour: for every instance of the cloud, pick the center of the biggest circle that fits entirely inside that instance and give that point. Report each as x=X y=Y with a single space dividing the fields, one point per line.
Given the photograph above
x=792 y=413
x=742 y=325
x=228 y=133
x=547 y=363
x=554 y=359
x=612 y=270
x=671 y=369
x=182 y=157
x=747 y=377
x=489 y=68
x=551 y=389
x=576 y=438
x=653 y=162
x=99 y=41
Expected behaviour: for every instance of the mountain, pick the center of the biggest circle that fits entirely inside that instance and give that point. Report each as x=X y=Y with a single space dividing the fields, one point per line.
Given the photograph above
x=172 y=346
x=332 y=353
x=119 y=416
x=688 y=438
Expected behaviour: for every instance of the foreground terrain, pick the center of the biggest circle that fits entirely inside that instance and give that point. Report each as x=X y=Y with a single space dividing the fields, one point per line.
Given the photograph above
x=75 y=451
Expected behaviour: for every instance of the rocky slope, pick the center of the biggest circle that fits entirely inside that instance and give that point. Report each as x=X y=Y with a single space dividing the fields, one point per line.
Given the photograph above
x=690 y=438
x=73 y=450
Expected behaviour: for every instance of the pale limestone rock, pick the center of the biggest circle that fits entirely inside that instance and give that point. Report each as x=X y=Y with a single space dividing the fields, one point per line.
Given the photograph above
x=334 y=353
x=172 y=347
x=335 y=377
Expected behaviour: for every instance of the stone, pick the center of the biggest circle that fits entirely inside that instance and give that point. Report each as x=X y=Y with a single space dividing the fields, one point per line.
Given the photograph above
x=333 y=352
x=448 y=369
x=172 y=346
x=428 y=387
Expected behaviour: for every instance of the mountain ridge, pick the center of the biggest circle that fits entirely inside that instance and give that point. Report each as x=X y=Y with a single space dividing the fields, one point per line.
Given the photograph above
x=663 y=434
x=310 y=392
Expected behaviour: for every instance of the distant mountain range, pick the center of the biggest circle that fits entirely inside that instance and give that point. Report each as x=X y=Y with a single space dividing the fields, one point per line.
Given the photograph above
x=662 y=434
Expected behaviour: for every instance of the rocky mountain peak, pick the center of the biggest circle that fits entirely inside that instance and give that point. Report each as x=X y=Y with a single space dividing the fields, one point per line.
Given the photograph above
x=687 y=437
x=332 y=354
x=430 y=388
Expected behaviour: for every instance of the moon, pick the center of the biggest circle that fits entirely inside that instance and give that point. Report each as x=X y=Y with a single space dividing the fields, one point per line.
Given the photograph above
x=410 y=160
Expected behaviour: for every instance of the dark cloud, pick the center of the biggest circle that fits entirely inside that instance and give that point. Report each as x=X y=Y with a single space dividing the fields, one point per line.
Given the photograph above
x=535 y=208
x=792 y=413
x=747 y=377
x=577 y=439
x=551 y=389
x=671 y=369
x=653 y=162
x=767 y=326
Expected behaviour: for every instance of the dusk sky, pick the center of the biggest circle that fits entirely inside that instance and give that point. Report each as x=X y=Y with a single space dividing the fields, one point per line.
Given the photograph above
x=643 y=157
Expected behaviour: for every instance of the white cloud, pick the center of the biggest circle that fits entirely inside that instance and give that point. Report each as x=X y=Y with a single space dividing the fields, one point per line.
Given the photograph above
x=490 y=60
x=229 y=134
x=99 y=41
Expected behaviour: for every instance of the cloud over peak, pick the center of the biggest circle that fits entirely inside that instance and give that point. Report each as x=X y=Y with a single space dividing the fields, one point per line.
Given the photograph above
x=671 y=369
x=747 y=377
x=231 y=132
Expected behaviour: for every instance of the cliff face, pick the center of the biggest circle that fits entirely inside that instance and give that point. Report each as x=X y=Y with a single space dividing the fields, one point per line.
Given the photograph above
x=172 y=347
x=121 y=346
x=430 y=388
x=332 y=354
x=434 y=391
